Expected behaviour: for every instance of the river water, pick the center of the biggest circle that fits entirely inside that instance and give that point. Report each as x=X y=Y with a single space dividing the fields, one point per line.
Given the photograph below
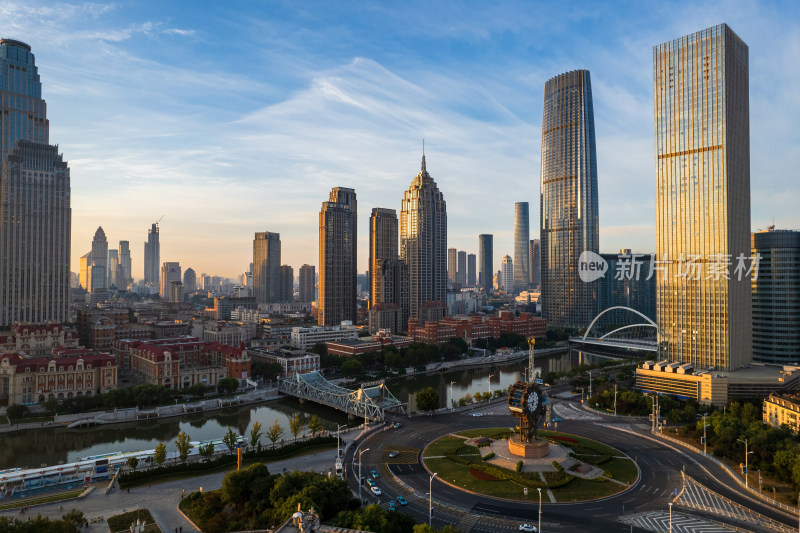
x=50 y=446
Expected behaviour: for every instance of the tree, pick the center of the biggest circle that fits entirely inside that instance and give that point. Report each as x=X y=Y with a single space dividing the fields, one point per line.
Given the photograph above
x=352 y=368
x=132 y=462
x=161 y=453
x=427 y=399
x=51 y=405
x=206 y=450
x=296 y=425
x=275 y=432
x=230 y=439
x=183 y=445
x=227 y=385
x=255 y=434
x=320 y=349
x=314 y=425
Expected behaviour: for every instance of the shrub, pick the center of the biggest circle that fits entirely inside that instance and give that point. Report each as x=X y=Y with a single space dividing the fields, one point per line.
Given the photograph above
x=458 y=459
x=488 y=456
x=558 y=466
x=519 y=466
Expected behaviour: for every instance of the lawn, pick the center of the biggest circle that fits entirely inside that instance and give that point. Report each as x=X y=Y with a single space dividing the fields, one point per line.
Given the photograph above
x=44 y=499
x=492 y=433
x=443 y=446
x=459 y=476
x=122 y=522
x=623 y=470
x=585 y=489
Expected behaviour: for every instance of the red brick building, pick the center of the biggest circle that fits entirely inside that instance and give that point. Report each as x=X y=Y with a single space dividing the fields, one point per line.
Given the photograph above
x=376 y=343
x=37 y=339
x=477 y=327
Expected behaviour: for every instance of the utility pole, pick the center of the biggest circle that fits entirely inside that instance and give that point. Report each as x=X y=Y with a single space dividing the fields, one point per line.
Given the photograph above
x=490 y=384
x=452 y=400
x=746 y=472
x=705 y=440
x=430 y=500
x=590 y=383
x=615 y=399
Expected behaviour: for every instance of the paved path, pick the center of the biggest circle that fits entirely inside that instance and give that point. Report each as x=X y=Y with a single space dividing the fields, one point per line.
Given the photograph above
x=162 y=498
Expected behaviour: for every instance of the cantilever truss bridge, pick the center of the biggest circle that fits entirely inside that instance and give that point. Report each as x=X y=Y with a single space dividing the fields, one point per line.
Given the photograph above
x=373 y=397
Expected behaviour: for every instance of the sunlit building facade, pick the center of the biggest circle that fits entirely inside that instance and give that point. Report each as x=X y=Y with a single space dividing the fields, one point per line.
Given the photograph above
x=522 y=257
x=382 y=244
x=569 y=210
x=337 y=258
x=267 y=267
x=702 y=147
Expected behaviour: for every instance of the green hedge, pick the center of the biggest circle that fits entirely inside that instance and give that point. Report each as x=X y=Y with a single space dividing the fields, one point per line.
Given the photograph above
x=200 y=467
x=458 y=459
x=502 y=473
x=488 y=456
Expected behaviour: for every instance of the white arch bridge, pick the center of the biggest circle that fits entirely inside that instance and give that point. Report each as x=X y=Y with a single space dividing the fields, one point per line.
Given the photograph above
x=607 y=340
x=372 y=399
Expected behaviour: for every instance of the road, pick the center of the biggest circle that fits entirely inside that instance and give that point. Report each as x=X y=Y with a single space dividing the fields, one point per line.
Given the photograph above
x=660 y=465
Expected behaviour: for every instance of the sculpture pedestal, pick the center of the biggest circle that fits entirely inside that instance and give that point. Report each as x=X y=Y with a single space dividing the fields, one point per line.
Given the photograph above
x=534 y=449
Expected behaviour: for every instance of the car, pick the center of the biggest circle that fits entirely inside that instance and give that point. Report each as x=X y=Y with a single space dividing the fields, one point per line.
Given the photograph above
x=391 y=505
x=402 y=501
x=557 y=419
x=374 y=474
x=376 y=491
x=370 y=482
x=397 y=425
x=528 y=527
x=477 y=414
x=394 y=453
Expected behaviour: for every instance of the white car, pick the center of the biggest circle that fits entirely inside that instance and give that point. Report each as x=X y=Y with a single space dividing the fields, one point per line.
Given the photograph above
x=376 y=491
x=528 y=527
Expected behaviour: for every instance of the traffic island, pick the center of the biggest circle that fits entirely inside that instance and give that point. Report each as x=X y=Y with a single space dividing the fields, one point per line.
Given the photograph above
x=576 y=468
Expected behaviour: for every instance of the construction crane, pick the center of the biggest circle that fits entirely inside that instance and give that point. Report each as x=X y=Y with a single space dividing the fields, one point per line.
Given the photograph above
x=159 y=220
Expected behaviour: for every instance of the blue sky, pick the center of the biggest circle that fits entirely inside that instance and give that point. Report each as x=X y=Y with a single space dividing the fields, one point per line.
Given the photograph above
x=237 y=117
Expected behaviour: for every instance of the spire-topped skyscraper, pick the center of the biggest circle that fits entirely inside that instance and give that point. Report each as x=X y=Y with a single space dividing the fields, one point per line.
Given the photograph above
x=35 y=215
x=423 y=241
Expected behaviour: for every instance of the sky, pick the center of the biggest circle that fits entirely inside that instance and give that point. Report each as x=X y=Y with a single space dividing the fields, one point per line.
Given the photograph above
x=230 y=118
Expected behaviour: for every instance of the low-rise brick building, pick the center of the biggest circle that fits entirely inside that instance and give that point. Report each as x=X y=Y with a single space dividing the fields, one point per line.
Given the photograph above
x=475 y=327
x=376 y=343
x=37 y=339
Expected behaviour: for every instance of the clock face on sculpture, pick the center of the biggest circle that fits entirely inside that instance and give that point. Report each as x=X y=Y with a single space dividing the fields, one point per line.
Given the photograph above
x=533 y=401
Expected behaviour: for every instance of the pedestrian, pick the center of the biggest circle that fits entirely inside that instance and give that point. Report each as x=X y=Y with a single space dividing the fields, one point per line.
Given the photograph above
x=129 y=490
x=176 y=530
x=180 y=529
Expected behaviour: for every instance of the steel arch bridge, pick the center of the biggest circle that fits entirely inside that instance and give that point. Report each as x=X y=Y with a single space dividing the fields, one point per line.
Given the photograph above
x=371 y=400
x=607 y=340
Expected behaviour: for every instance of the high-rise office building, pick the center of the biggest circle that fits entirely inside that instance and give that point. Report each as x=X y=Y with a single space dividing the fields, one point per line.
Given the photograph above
x=170 y=272
x=536 y=263
x=97 y=273
x=569 y=219
x=522 y=249
x=776 y=296
x=111 y=265
x=267 y=267
x=471 y=266
x=86 y=265
x=287 y=283
x=35 y=214
x=390 y=310
x=452 y=266
x=628 y=286
x=702 y=141
x=382 y=243
x=125 y=261
x=189 y=281
x=461 y=273
x=152 y=257
x=308 y=282
x=337 y=258
x=486 y=261
x=423 y=242
x=507 y=278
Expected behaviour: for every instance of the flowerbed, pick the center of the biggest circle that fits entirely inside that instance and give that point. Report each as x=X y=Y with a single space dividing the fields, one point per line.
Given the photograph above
x=484 y=476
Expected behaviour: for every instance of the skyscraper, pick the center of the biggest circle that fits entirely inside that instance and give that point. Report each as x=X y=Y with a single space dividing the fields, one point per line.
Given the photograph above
x=97 y=273
x=569 y=220
x=507 y=279
x=125 y=261
x=452 y=266
x=189 y=281
x=702 y=138
x=170 y=272
x=35 y=214
x=382 y=243
x=461 y=273
x=536 y=267
x=423 y=241
x=152 y=257
x=522 y=251
x=86 y=265
x=287 y=283
x=308 y=283
x=337 y=258
x=111 y=265
x=485 y=259
x=471 y=265
x=267 y=267
x=776 y=296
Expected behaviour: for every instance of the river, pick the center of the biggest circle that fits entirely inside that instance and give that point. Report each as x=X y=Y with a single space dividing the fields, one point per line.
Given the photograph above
x=49 y=446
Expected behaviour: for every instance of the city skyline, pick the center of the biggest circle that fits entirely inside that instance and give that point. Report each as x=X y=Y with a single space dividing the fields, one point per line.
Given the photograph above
x=148 y=152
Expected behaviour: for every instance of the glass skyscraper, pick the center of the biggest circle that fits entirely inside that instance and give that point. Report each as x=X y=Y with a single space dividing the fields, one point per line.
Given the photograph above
x=569 y=213
x=35 y=214
x=486 y=262
x=522 y=252
x=702 y=145
x=267 y=267
x=423 y=242
x=152 y=257
x=337 y=258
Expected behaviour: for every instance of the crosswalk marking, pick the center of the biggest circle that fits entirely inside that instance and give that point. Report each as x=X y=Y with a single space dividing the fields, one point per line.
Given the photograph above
x=571 y=412
x=659 y=521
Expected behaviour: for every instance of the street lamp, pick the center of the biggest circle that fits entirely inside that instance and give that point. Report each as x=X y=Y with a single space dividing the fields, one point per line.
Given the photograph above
x=590 y=383
x=490 y=384
x=615 y=399
x=539 y=529
x=746 y=472
x=361 y=502
x=452 y=400
x=705 y=440
x=670 y=517
x=430 y=500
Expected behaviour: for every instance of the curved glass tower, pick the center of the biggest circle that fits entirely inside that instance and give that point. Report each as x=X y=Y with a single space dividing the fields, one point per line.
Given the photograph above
x=522 y=248
x=569 y=223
